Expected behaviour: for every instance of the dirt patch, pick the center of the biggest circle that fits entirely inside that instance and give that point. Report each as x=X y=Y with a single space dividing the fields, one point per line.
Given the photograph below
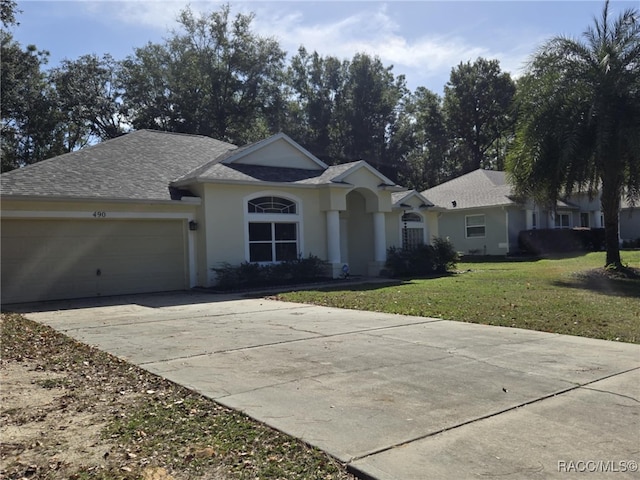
x=40 y=421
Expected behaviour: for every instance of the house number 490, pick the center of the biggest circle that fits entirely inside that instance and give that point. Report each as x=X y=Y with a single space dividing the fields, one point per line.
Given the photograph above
x=99 y=214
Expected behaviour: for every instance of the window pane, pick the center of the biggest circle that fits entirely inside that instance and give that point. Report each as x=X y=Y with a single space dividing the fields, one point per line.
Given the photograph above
x=260 y=252
x=412 y=238
x=475 y=231
x=286 y=251
x=259 y=232
x=286 y=231
x=271 y=205
x=475 y=220
x=411 y=217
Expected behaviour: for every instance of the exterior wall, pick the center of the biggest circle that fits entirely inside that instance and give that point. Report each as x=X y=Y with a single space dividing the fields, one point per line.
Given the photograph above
x=452 y=226
x=279 y=154
x=517 y=223
x=630 y=224
x=224 y=235
x=89 y=207
x=364 y=179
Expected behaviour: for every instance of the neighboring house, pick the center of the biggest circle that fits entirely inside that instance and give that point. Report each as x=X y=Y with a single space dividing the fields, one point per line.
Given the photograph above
x=153 y=211
x=480 y=215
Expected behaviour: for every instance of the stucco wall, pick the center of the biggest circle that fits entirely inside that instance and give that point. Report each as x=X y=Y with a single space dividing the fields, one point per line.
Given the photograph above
x=452 y=226
x=279 y=154
x=224 y=232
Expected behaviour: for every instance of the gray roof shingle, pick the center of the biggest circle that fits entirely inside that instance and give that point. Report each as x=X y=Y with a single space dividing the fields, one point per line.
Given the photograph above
x=217 y=171
x=480 y=188
x=139 y=166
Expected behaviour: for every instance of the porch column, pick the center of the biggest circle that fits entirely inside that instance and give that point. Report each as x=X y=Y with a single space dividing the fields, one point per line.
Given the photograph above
x=333 y=236
x=379 y=237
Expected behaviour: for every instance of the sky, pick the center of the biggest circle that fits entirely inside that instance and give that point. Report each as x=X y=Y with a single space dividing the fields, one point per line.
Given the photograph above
x=423 y=40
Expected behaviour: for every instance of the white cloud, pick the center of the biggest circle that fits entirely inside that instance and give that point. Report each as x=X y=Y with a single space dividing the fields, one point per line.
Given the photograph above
x=369 y=27
x=420 y=58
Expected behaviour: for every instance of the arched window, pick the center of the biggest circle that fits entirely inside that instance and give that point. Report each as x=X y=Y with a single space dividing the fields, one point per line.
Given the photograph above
x=411 y=217
x=271 y=205
x=273 y=229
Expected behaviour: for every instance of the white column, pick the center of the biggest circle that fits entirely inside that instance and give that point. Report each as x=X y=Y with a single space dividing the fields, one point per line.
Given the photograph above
x=333 y=236
x=379 y=237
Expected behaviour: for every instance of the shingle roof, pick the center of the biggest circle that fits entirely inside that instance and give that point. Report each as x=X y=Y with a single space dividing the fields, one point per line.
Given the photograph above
x=398 y=197
x=139 y=165
x=143 y=165
x=480 y=188
x=218 y=171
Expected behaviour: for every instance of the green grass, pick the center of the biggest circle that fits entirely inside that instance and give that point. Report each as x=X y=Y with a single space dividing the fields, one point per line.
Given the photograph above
x=559 y=295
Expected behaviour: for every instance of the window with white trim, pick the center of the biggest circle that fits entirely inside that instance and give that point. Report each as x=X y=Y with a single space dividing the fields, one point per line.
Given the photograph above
x=474 y=226
x=562 y=220
x=412 y=231
x=273 y=229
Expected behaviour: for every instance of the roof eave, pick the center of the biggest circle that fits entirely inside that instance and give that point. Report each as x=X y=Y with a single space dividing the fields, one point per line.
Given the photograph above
x=67 y=198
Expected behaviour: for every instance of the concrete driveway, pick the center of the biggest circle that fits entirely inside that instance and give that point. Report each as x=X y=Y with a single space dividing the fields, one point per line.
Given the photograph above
x=395 y=397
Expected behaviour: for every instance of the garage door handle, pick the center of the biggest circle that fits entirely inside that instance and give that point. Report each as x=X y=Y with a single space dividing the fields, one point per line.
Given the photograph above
x=98 y=272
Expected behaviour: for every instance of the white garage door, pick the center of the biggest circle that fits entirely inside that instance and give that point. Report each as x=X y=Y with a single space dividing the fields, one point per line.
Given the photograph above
x=56 y=259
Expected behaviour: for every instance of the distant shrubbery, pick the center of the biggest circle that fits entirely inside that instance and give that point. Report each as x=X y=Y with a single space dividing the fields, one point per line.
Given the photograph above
x=631 y=243
x=251 y=275
x=548 y=240
x=424 y=260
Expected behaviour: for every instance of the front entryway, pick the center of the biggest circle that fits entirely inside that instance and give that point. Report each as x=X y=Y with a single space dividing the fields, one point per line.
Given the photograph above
x=357 y=227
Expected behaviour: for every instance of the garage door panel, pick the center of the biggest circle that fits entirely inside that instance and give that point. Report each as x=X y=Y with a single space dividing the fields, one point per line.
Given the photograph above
x=50 y=259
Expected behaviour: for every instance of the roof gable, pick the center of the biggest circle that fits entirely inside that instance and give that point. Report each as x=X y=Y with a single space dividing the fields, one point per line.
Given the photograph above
x=410 y=198
x=360 y=171
x=278 y=151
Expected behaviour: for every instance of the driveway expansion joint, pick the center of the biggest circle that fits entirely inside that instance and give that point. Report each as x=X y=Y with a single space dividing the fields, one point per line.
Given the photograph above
x=491 y=415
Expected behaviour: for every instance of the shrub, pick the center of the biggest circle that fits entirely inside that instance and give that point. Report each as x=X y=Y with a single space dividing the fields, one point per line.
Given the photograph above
x=423 y=260
x=631 y=243
x=250 y=275
x=445 y=256
x=561 y=240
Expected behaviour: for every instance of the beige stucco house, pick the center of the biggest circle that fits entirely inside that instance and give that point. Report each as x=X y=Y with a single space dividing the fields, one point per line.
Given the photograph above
x=156 y=211
x=480 y=215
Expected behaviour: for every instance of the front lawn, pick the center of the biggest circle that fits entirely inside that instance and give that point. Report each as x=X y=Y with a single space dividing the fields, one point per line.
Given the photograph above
x=551 y=295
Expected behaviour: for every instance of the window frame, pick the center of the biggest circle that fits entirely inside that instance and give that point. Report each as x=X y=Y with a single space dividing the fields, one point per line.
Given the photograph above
x=483 y=226
x=557 y=220
x=273 y=219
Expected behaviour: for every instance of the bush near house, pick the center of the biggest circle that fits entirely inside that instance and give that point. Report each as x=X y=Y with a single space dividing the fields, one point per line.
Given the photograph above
x=561 y=240
x=252 y=275
x=423 y=260
x=631 y=243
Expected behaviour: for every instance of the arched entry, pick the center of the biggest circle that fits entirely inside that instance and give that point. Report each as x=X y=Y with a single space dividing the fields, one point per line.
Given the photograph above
x=357 y=245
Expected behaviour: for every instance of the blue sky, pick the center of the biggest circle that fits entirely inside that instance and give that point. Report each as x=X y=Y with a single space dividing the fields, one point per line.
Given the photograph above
x=422 y=39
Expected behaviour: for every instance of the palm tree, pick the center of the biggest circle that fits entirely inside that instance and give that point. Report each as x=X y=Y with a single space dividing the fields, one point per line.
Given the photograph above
x=578 y=108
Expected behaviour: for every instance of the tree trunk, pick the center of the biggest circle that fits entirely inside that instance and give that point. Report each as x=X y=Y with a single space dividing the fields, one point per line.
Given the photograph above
x=611 y=211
